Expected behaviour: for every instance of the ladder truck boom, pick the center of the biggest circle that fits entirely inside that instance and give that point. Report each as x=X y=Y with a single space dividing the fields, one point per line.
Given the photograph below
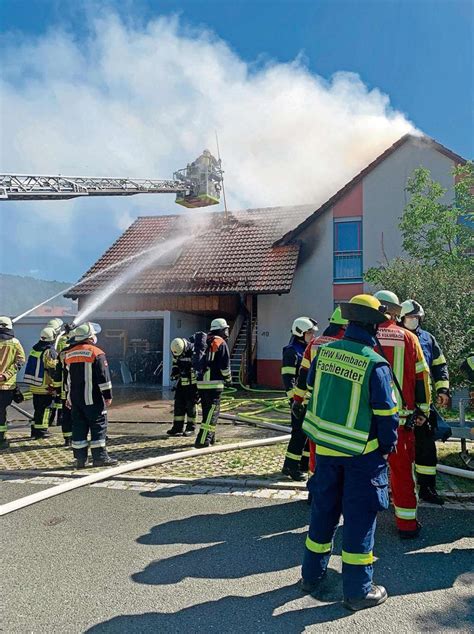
x=197 y=185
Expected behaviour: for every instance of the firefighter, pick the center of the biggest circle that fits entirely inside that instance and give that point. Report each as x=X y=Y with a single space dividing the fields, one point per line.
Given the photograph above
x=425 y=447
x=12 y=357
x=212 y=374
x=404 y=354
x=89 y=395
x=60 y=343
x=335 y=330
x=186 y=394
x=303 y=332
x=64 y=413
x=352 y=417
x=41 y=376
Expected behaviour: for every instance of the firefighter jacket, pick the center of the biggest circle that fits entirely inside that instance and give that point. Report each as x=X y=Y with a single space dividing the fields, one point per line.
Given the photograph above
x=467 y=368
x=352 y=409
x=217 y=364
x=290 y=365
x=88 y=375
x=182 y=369
x=332 y=333
x=12 y=358
x=403 y=351
x=40 y=370
x=62 y=370
x=435 y=359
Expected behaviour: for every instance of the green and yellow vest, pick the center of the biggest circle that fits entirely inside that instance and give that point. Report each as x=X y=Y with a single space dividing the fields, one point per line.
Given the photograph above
x=339 y=415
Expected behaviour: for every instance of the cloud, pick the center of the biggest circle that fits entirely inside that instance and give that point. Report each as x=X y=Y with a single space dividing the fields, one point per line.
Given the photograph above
x=145 y=100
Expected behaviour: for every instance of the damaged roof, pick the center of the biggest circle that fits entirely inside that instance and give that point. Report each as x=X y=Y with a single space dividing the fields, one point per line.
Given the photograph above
x=221 y=257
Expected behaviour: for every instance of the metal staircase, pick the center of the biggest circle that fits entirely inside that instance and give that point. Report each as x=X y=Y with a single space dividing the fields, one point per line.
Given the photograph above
x=240 y=349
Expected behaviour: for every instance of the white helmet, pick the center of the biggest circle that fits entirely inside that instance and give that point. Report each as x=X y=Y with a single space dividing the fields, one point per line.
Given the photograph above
x=85 y=331
x=178 y=346
x=6 y=322
x=390 y=300
x=219 y=324
x=411 y=308
x=47 y=334
x=302 y=325
x=56 y=324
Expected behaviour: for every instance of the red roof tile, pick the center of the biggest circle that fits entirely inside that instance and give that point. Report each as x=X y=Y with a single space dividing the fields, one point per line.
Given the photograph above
x=227 y=258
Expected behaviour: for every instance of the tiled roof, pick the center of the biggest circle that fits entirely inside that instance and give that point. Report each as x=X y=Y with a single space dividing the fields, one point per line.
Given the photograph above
x=225 y=258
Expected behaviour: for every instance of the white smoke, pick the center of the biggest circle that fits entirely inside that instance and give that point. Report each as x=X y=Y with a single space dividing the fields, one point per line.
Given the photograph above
x=144 y=102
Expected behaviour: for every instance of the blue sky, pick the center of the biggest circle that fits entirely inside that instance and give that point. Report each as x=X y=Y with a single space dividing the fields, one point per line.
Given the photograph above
x=417 y=52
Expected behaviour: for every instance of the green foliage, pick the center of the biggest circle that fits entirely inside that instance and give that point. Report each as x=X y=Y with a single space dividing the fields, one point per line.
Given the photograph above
x=17 y=293
x=432 y=229
x=438 y=271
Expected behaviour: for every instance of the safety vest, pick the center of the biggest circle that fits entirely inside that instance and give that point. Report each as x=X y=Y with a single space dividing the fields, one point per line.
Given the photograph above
x=339 y=415
x=36 y=374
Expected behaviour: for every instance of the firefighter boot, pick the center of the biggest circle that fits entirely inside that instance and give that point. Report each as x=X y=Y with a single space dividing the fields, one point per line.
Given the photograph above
x=4 y=444
x=190 y=429
x=176 y=430
x=68 y=442
x=429 y=494
x=376 y=596
x=100 y=458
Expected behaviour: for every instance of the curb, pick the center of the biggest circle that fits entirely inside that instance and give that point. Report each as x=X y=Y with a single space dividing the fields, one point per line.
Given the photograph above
x=218 y=482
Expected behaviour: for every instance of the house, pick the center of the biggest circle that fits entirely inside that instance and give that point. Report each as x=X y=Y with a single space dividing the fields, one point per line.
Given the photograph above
x=259 y=268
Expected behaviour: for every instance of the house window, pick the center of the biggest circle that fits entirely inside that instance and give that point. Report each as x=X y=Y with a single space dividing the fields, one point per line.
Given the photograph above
x=347 y=250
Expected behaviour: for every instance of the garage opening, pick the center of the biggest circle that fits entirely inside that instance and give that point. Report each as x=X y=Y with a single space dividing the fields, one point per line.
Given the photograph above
x=134 y=349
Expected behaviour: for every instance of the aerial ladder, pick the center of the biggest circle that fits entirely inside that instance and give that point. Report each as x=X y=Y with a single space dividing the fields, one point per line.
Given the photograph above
x=199 y=184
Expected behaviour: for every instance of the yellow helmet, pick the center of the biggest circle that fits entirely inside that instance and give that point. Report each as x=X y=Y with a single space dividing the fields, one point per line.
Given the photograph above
x=364 y=308
x=6 y=322
x=47 y=334
x=178 y=346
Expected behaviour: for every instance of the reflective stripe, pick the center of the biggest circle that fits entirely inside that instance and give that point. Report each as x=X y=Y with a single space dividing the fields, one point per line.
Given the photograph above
x=299 y=392
x=385 y=412
x=178 y=418
x=206 y=426
x=292 y=456
x=105 y=386
x=67 y=434
x=340 y=429
x=210 y=385
x=441 y=360
x=372 y=445
x=97 y=443
x=290 y=393
x=421 y=366
x=358 y=559
x=79 y=444
x=398 y=369
x=405 y=514
x=3 y=428
x=305 y=363
x=440 y=384
x=424 y=470
x=306 y=454
x=288 y=369
x=316 y=547
x=353 y=405
x=88 y=384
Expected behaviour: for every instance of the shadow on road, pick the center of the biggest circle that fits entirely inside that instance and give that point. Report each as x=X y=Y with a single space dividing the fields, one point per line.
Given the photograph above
x=269 y=539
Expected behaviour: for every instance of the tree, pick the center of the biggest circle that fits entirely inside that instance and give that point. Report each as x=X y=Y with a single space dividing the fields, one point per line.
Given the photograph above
x=437 y=270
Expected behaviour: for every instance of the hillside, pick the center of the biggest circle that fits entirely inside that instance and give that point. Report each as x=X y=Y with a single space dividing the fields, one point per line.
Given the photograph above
x=17 y=293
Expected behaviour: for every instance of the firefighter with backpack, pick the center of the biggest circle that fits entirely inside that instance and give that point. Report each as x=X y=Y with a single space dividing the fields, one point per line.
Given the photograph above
x=186 y=394
x=211 y=361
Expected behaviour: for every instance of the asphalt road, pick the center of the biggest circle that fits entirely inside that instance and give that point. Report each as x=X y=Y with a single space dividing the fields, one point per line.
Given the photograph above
x=102 y=560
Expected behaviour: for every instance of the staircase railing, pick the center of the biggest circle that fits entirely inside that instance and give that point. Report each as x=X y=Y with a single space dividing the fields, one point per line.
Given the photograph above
x=234 y=333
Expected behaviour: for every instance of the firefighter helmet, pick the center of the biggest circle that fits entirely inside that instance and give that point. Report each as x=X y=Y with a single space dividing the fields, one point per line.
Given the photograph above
x=390 y=300
x=47 y=334
x=365 y=309
x=337 y=318
x=411 y=308
x=302 y=325
x=219 y=324
x=84 y=332
x=178 y=346
x=6 y=322
x=56 y=324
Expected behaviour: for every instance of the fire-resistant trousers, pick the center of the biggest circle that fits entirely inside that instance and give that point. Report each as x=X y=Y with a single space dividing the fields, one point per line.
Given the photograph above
x=65 y=420
x=184 y=407
x=43 y=414
x=425 y=456
x=402 y=480
x=210 y=405
x=357 y=487
x=6 y=397
x=297 y=453
x=85 y=419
